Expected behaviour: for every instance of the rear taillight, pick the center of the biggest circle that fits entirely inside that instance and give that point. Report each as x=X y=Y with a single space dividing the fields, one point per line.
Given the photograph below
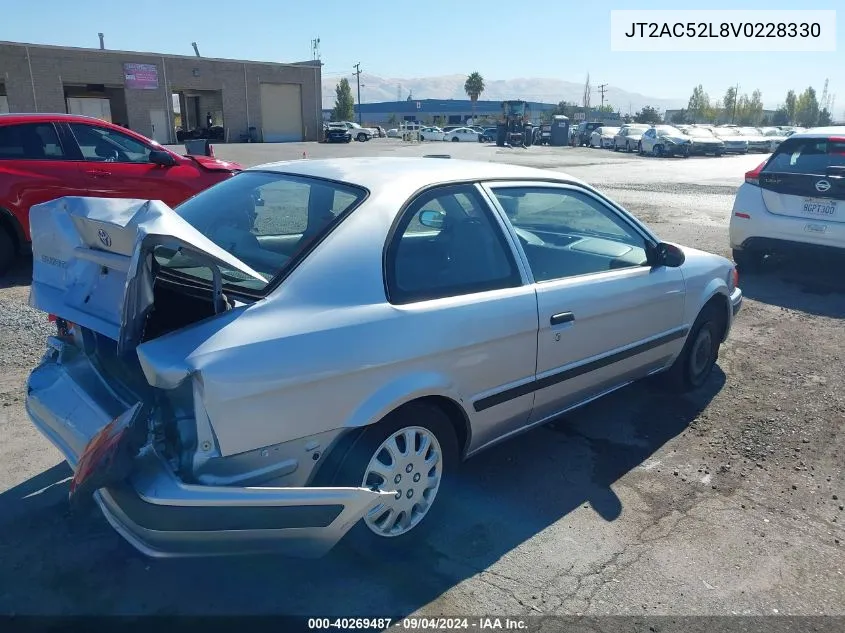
x=753 y=177
x=736 y=277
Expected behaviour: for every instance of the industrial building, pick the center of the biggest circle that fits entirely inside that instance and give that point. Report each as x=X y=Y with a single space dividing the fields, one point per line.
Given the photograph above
x=436 y=111
x=153 y=93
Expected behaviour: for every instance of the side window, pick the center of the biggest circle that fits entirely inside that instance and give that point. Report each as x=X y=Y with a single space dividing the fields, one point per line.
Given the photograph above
x=447 y=243
x=566 y=232
x=30 y=141
x=99 y=144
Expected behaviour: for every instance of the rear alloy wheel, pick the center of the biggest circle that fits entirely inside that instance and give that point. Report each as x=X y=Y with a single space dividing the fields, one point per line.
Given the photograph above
x=362 y=137
x=7 y=251
x=657 y=150
x=455 y=139
x=412 y=453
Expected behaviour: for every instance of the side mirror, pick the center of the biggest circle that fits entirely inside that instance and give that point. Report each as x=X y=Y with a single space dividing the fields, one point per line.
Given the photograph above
x=432 y=219
x=162 y=158
x=667 y=255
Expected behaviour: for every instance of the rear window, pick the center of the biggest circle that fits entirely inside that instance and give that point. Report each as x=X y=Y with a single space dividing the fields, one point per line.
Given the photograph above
x=267 y=220
x=807 y=156
x=30 y=141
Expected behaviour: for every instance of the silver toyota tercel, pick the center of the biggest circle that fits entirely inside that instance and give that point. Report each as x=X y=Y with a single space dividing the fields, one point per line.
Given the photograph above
x=306 y=351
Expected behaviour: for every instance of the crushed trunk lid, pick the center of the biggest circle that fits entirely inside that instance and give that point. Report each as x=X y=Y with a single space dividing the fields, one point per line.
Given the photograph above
x=92 y=261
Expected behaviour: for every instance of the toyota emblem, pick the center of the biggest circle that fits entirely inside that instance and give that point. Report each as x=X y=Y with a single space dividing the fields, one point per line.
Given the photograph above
x=822 y=186
x=105 y=238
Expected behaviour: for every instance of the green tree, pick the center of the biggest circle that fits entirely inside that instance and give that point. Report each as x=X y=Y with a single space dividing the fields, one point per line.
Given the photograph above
x=344 y=104
x=824 y=117
x=680 y=116
x=647 y=115
x=781 y=116
x=755 y=108
x=765 y=121
x=474 y=86
x=729 y=102
x=790 y=105
x=807 y=108
x=392 y=119
x=606 y=109
x=699 y=107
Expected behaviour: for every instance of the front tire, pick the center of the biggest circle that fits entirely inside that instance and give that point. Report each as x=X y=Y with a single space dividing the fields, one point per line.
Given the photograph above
x=695 y=364
x=361 y=137
x=455 y=139
x=7 y=251
x=413 y=451
x=657 y=151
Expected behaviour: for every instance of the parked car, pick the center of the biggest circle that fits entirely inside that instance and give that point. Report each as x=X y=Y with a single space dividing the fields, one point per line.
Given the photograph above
x=337 y=133
x=602 y=137
x=775 y=136
x=544 y=134
x=704 y=141
x=628 y=137
x=431 y=134
x=461 y=134
x=584 y=130
x=794 y=201
x=488 y=135
x=381 y=132
x=734 y=142
x=47 y=156
x=757 y=141
x=665 y=140
x=211 y=403
x=360 y=133
x=393 y=133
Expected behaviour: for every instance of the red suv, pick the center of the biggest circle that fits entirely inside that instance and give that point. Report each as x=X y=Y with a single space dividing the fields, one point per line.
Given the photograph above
x=47 y=156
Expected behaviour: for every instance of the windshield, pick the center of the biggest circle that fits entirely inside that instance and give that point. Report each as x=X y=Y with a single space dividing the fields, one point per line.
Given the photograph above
x=264 y=219
x=727 y=131
x=699 y=132
x=609 y=131
x=668 y=130
x=749 y=131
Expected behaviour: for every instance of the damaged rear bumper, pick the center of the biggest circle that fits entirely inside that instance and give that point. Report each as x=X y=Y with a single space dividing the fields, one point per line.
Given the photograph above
x=161 y=515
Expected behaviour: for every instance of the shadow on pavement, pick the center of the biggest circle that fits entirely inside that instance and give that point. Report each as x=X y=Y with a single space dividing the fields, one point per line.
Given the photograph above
x=61 y=563
x=812 y=284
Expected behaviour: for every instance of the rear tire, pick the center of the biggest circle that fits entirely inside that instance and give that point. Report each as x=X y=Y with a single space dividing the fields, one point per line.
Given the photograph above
x=747 y=261
x=368 y=537
x=362 y=137
x=7 y=251
x=695 y=364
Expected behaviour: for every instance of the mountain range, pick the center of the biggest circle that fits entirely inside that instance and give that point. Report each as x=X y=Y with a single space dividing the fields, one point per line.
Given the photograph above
x=376 y=89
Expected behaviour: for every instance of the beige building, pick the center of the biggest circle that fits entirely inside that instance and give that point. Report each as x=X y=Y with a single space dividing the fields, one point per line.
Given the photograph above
x=153 y=94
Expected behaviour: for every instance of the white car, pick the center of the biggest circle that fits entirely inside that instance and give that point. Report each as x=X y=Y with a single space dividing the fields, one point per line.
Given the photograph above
x=461 y=134
x=360 y=133
x=431 y=134
x=794 y=200
x=393 y=133
x=602 y=137
x=307 y=351
x=734 y=142
x=757 y=141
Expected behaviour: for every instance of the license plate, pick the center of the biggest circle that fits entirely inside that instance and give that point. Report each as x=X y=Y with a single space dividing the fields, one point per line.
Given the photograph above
x=819 y=208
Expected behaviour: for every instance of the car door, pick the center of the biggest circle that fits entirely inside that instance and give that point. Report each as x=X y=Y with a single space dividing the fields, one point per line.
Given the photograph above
x=451 y=268
x=34 y=168
x=606 y=317
x=117 y=165
x=647 y=140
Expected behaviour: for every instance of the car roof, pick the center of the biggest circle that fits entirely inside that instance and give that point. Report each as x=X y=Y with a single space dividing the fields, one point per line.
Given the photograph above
x=30 y=117
x=816 y=132
x=408 y=175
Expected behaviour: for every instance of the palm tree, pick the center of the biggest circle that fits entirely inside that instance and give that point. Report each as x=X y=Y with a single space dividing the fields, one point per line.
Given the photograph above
x=474 y=86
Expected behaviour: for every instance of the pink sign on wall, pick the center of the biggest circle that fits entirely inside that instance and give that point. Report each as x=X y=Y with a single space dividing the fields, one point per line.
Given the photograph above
x=141 y=76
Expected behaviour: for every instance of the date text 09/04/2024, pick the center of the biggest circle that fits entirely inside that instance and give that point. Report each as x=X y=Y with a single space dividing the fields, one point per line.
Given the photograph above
x=725 y=29
x=418 y=624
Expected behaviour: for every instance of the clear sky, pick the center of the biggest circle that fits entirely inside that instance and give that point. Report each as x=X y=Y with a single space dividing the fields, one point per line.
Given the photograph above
x=561 y=39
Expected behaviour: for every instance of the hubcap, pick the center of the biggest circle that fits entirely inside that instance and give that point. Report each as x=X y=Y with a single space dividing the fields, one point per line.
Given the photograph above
x=701 y=354
x=410 y=458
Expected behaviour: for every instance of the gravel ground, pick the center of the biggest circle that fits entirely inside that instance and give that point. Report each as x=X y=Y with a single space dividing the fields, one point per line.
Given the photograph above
x=728 y=501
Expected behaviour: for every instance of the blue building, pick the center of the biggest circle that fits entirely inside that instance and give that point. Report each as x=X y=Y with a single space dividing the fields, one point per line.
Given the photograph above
x=435 y=111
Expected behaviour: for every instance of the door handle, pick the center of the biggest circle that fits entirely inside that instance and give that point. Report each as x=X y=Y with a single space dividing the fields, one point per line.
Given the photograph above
x=562 y=317
x=97 y=173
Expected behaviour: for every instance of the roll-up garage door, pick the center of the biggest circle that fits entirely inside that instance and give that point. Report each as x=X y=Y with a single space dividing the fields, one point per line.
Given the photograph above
x=281 y=112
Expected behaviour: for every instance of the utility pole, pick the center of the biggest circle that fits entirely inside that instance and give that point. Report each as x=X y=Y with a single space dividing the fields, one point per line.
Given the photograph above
x=602 y=90
x=736 y=98
x=357 y=74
